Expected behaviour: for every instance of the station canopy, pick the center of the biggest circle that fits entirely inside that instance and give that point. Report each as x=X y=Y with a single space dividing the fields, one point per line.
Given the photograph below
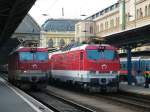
x=12 y=13
x=130 y=38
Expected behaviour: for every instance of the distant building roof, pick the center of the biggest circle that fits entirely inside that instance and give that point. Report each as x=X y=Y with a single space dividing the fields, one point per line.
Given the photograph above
x=59 y=25
x=28 y=25
x=104 y=11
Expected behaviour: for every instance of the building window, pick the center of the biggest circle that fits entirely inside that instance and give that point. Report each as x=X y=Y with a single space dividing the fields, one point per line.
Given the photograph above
x=137 y=14
x=50 y=43
x=106 y=25
x=91 y=29
x=61 y=43
x=141 y=13
x=112 y=23
x=146 y=11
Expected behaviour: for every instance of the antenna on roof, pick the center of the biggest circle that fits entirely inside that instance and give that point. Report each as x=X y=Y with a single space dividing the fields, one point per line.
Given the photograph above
x=62 y=12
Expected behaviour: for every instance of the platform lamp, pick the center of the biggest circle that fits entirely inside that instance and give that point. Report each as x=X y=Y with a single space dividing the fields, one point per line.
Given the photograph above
x=83 y=15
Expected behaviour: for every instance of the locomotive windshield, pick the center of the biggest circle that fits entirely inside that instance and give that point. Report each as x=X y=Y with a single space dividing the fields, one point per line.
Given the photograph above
x=26 y=56
x=101 y=54
x=41 y=56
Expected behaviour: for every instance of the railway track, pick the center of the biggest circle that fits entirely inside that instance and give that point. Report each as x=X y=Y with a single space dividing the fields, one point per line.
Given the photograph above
x=57 y=103
x=130 y=100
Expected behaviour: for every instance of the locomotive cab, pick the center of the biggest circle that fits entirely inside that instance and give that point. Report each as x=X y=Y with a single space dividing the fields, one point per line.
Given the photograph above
x=90 y=66
x=28 y=67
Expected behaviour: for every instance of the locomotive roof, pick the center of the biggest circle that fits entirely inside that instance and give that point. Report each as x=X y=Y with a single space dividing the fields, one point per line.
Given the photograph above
x=25 y=49
x=81 y=47
x=91 y=46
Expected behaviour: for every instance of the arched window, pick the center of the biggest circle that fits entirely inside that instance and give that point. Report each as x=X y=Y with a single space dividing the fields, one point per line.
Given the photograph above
x=106 y=25
x=141 y=13
x=50 y=43
x=146 y=11
x=137 y=14
x=62 y=42
x=112 y=23
x=91 y=29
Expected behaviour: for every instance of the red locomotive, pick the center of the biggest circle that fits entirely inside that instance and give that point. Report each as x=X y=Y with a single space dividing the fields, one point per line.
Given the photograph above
x=93 y=67
x=28 y=67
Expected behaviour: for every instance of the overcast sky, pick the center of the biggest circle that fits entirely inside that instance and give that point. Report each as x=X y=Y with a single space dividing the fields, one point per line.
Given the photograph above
x=72 y=8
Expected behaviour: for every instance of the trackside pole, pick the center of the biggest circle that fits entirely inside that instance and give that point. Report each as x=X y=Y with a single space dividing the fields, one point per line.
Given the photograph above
x=129 y=65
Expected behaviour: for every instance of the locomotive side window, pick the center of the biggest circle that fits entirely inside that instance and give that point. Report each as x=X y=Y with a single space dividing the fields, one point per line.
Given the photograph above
x=26 y=56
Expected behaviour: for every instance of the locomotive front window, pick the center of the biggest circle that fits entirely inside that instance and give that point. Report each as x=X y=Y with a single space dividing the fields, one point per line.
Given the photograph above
x=41 y=56
x=101 y=54
x=25 y=56
x=109 y=54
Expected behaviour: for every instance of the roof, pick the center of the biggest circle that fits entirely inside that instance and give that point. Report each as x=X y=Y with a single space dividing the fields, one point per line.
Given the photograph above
x=28 y=25
x=26 y=49
x=80 y=47
x=104 y=11
x=59 y=25
x=93 y=46
x=130 y=37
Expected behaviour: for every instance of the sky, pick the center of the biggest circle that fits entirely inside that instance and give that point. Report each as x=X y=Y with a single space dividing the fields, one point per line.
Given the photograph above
x=73 y=9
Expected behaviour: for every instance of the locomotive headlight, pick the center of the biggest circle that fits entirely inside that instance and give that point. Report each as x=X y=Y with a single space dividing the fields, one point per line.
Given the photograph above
x=25 y=71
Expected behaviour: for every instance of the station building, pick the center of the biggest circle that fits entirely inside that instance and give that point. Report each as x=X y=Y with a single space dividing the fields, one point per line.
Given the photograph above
x=57 y=32
x=123 y=15
x=28 y=32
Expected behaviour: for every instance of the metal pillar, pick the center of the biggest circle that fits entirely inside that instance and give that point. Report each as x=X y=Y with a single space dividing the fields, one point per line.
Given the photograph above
x=123 y=14
x=129 y=65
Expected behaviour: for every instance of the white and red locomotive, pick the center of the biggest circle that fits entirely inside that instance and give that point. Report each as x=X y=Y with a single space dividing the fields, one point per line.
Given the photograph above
x=27 y=67
x=94 y=67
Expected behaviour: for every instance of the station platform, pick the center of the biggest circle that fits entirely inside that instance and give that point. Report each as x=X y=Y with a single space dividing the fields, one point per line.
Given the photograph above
x=135 y=89
x=13 y=99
